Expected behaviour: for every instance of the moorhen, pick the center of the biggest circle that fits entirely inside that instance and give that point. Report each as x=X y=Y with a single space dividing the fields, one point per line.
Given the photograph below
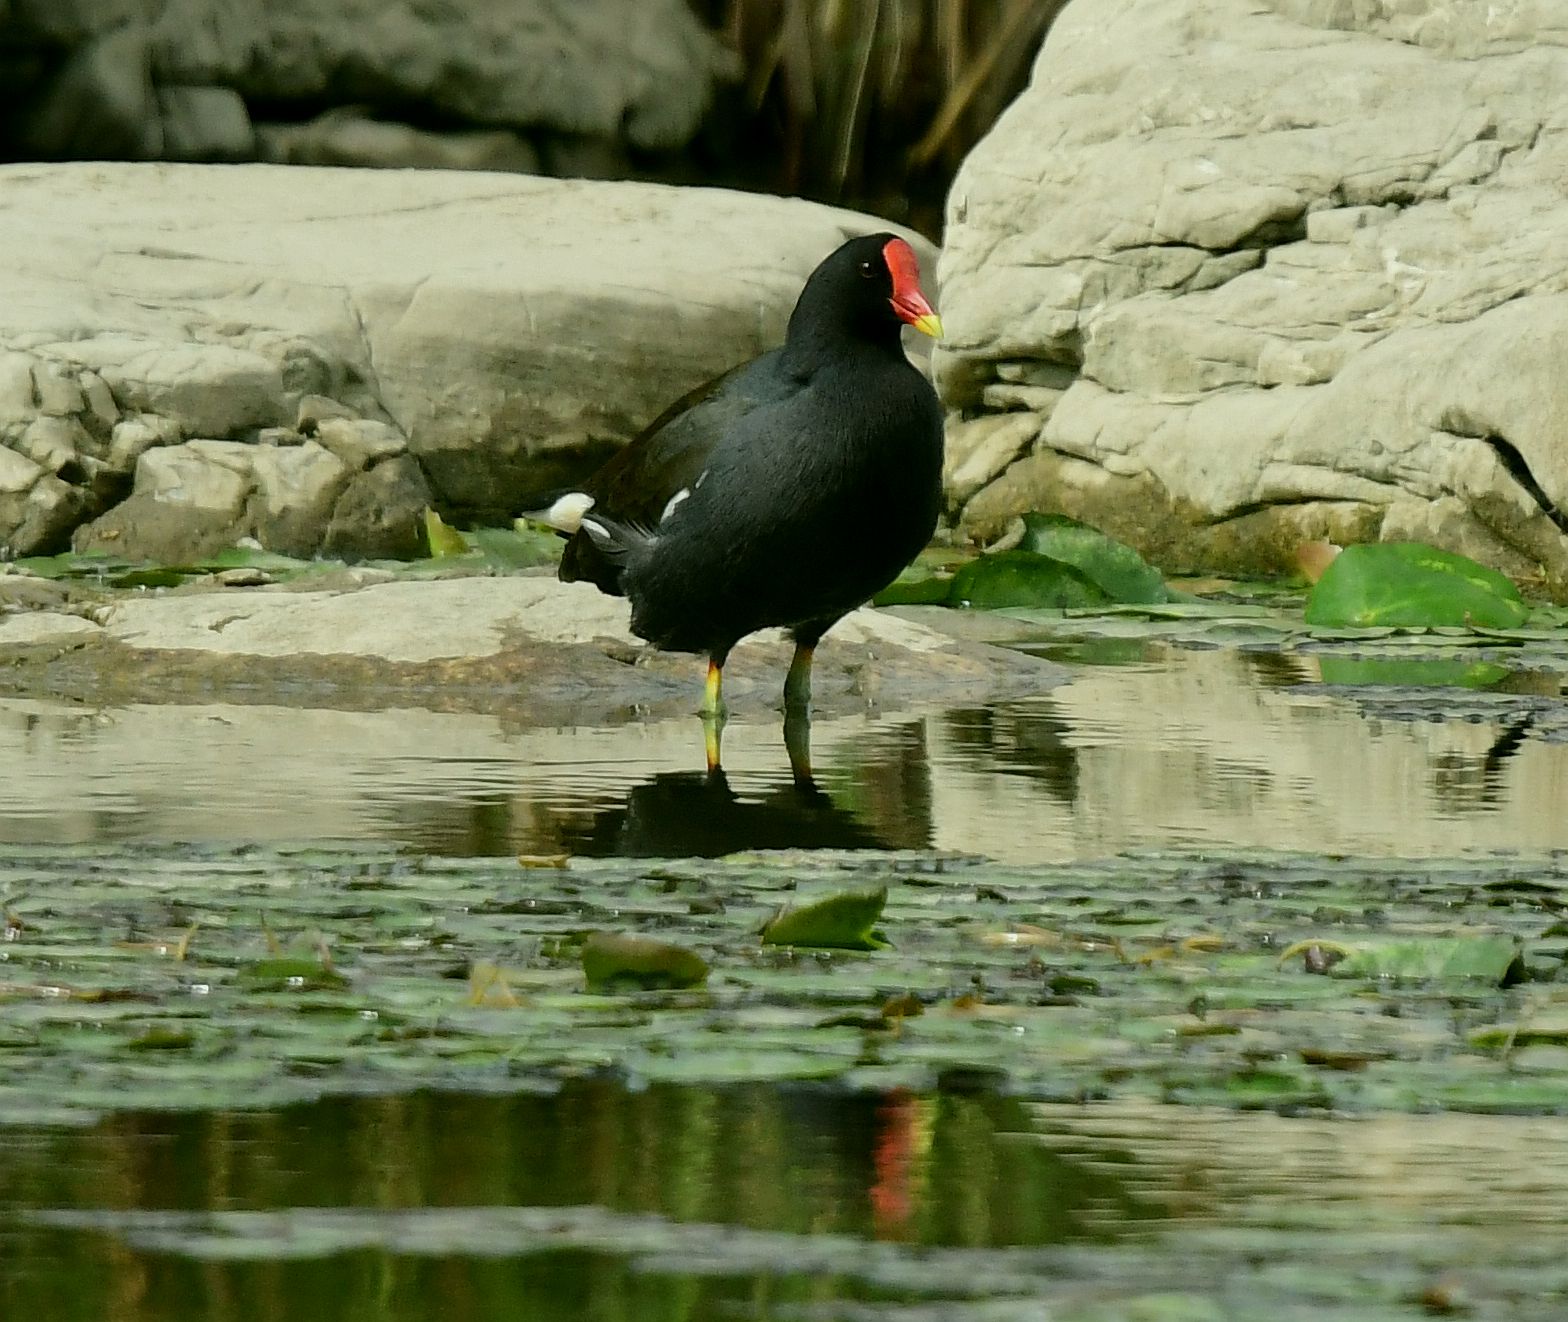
x=786 y=492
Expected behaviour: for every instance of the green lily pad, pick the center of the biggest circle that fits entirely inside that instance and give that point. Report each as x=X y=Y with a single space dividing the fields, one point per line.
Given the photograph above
x=614 y=960
x=919 y=585
x=1115 y=568
x=1546 y=1030
x=521 y=546
x=837 y=922
x=162 y=1037
x=251 y=557
x=1411 y=585
x=443 y=539
x=291 y=974
x=1007 y=579
x=1420 y=672
x=1490 y=959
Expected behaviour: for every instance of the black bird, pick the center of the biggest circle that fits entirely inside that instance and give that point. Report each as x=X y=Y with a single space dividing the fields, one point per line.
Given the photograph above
x=785 y=493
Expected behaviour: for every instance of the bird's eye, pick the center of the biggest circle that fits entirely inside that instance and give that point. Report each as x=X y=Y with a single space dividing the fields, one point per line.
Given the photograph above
x=868 y=270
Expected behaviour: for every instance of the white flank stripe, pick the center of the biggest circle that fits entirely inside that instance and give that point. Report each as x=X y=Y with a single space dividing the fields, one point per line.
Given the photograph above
x=675 y=500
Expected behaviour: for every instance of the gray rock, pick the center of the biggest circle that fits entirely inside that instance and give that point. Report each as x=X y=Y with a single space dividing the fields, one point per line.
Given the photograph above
x=18 y=398
x=1305 y=263
x=205 y=124
x=346 y=136
x=360 y=442
x=55 y=393
x=380 y=513
x=295 y=490
x=642 y=70
x=206 y=389
x=102 y=413
x=564 y=645
x=978 y=451
x=54 y=444
x=188 y=502
x=17 y=473
x=101 y=102
x=39 y=522
x=35 y=628
x=504 y=331
x=133 y=436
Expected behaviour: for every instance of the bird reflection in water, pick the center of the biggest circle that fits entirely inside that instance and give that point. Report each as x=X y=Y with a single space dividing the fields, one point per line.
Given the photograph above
x=686 y=814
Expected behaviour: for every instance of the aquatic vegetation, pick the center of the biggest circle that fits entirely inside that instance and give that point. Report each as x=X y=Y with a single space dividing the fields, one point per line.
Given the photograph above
x=152 y=977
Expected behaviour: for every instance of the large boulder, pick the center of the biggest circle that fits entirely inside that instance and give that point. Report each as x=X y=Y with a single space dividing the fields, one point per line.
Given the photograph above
x=178 y=79
x=193 y=355
x=1248 y=272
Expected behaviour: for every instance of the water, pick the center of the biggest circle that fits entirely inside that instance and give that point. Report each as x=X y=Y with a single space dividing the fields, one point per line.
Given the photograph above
x=794 y=1202
x=1178 y=747
x=669 y=1203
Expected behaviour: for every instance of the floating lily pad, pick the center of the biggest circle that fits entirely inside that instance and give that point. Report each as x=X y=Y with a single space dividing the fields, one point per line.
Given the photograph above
x=291 y=974
x=163 y=1037
x=613 y=960
x=919 y=585
x=1547 y=1030
x=521 y=546
x=1411 y=585
x=1491 y=959
x=1060 y=563
x=118 y=572
x=1114 y=567
x=1022 y=578
x=1418 y=672
x=839 y=922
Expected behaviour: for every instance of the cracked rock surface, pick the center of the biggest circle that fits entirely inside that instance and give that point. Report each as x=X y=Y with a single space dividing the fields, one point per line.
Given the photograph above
x=1245 y=273
x=192 y=355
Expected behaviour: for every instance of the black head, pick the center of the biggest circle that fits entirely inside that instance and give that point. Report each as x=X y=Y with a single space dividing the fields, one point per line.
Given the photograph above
x=867 y=289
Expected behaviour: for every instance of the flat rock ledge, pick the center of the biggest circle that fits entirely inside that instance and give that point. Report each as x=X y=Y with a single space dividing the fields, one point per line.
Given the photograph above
x=548 y=652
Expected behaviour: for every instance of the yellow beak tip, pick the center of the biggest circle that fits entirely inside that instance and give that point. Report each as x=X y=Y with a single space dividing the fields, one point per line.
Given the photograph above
x=930 y=324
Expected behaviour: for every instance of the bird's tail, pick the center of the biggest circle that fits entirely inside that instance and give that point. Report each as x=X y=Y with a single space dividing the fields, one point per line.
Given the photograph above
x=562 y=510
x=616 y=540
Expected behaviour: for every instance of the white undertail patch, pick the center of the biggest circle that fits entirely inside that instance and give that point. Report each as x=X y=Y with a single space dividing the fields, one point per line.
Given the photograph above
x=566 y=514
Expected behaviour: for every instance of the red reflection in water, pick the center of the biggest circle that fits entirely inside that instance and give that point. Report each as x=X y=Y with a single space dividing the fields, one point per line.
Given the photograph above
x=900 y=1142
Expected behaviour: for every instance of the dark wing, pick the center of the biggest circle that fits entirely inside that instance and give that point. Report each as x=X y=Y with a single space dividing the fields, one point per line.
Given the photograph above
x=667 y=457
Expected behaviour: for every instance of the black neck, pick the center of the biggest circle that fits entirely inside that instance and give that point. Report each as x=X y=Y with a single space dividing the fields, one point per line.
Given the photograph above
x=815 y=340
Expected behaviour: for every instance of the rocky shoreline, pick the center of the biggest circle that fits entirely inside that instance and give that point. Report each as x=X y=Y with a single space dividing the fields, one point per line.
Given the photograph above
x=548 y=652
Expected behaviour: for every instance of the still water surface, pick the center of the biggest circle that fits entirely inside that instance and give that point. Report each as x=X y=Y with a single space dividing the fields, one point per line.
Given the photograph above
x=1178 y=748
x=684 y=1204
x=793 y=1202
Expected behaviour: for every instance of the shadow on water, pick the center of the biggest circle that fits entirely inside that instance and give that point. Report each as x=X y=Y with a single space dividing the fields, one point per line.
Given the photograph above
x=696 y=814
x=432 y=1176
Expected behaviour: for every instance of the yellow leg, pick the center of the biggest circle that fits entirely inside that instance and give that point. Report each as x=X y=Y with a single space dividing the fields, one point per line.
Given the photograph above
x=712 y=738
x=712 y=713
x=713 y=692
x=797 y=684
x=797 y=743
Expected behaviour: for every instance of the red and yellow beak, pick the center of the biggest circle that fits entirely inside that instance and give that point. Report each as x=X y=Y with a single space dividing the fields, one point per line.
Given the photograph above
x=908 y=302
